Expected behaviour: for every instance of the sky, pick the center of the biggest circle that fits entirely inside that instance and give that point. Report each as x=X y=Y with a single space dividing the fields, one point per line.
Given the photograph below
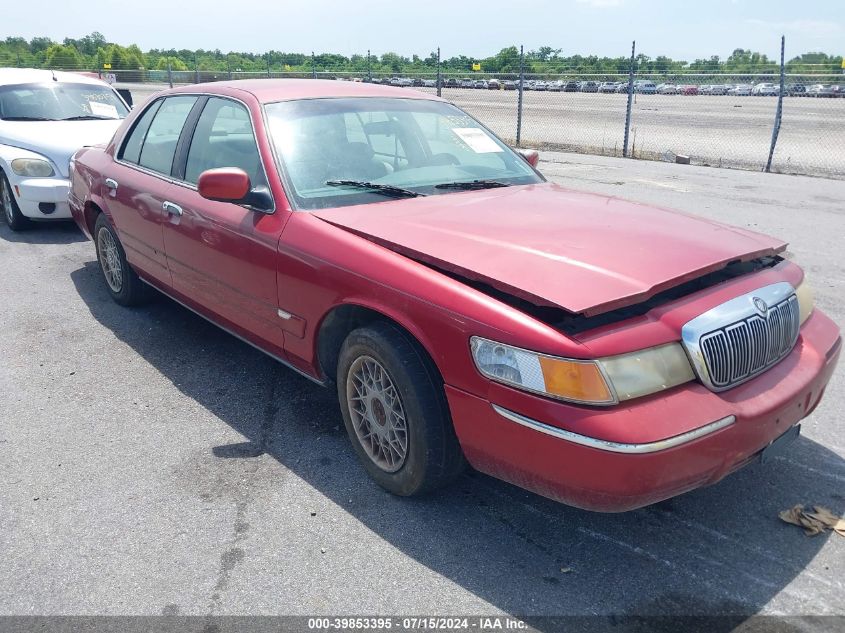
x=681 y=29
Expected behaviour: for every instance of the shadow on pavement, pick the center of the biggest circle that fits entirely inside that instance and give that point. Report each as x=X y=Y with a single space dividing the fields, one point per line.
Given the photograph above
x=719 y=550
x=54 y=232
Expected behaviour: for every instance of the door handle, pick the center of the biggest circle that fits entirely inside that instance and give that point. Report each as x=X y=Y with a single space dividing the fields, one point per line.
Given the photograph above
x=171 y=209
x=111 y=183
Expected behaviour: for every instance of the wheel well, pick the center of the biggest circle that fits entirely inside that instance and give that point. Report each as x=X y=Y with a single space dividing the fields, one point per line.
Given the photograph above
x=337 y=325
x=91 y=212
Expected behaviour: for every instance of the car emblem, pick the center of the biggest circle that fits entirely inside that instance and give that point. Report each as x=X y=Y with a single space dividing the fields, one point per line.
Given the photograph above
x=761 y=306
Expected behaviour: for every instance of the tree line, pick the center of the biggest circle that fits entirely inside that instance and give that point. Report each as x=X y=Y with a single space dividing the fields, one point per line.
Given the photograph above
x=93 y=52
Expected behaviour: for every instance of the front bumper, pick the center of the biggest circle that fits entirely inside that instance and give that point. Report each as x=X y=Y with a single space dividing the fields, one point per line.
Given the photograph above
x=645 y=450
x=43 y=197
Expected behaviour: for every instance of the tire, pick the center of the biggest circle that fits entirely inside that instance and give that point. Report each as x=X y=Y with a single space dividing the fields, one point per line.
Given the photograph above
x=432 y=456
x=16 y=220
x=122 y=282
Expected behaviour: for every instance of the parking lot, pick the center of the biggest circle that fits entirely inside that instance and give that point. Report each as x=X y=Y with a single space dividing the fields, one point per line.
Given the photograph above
x=152 y=464
x=723 y=131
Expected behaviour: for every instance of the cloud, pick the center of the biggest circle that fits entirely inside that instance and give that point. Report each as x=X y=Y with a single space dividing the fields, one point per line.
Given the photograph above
x=601 y=4
x=817 y=28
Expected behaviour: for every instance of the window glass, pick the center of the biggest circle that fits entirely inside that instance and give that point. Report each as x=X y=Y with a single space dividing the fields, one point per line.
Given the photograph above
x=160 y=142
x=132 y=148
x=60 y=101
x=223 y=138
x=425 y=146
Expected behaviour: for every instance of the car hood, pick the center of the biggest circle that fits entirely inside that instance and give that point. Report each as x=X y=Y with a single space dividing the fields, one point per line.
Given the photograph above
x=552 y=246
x=57 y=140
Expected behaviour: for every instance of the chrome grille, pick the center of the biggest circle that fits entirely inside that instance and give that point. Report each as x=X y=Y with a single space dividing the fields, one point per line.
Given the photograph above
x=736 y=352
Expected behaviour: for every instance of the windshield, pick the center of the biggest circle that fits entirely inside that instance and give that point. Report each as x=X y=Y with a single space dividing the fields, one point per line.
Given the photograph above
x=59 y=101
x=417 y=146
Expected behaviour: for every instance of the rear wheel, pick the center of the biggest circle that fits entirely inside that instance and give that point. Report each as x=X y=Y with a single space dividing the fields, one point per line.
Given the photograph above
x=16 y=220
x=395 y=411
x=123 y=283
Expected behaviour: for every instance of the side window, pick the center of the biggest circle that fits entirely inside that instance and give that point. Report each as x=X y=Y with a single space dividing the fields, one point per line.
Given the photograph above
x=160 y=143
x=131 y=151
x=223 y=138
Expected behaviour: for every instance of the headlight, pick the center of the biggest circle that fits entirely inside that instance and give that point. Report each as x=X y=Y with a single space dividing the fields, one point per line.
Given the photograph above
x=603 y=381
x=805 y=300
x=32 y=167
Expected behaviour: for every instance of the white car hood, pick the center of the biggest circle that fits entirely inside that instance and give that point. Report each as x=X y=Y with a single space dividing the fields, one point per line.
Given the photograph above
x=57 y=140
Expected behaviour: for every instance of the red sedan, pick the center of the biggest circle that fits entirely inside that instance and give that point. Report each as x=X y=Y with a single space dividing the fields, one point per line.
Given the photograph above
x=604 y=353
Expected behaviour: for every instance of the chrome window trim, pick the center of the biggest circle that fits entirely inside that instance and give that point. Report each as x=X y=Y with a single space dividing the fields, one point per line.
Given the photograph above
x=724 y=315
x=184 y=183
x=615 y=447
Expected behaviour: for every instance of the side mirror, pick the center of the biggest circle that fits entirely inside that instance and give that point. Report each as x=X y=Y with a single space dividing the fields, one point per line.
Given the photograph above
x=126 y=95
x=531 y=156
x=226 y=184
x=230 y=184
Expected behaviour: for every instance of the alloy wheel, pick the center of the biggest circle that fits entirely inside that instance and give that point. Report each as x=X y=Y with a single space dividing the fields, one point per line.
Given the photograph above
x=378 y=416
x=110 y=260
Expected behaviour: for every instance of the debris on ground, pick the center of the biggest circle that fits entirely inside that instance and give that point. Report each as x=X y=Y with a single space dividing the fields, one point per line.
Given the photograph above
x=815 y=520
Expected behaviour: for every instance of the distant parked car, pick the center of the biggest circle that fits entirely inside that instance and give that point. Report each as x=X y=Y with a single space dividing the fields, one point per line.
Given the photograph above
x=571 y=86
x=622 y=87
x=719 y=89
x=688 y=90
x=45 y=117
x=589 y=86
x=494 y=84
x=765 y=90
x=479 y=84
x=795 y=90
x=645 y=87
x=451 y=82
x=667 y=89
x=429 y=83
x=466 y=83
x=540 y=85
x=509 y=84
x=819 y=90
x=554 y=86
x=607 y=86
x=741 y=90
x=838 y=91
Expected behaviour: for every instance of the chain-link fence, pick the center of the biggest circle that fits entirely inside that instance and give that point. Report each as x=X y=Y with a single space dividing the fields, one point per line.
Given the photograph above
x=767 y=120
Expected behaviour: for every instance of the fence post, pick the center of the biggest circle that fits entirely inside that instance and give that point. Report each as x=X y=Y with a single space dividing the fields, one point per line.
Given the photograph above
x=369 y=68
x=313 y=66
x=439 y=77
x=196 y=70
x=268 y=65
x=779 y=111
x=170 y=74
x=630 y=101
x=519 y=96
x=229 y=66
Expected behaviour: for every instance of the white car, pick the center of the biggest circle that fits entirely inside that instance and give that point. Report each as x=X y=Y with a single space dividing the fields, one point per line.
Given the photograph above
x=667 y=89
x=45 y=116
x=765 y=90
x=741 y=90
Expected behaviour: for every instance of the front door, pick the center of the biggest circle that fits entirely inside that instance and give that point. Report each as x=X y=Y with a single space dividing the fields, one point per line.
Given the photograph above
x=223 y=255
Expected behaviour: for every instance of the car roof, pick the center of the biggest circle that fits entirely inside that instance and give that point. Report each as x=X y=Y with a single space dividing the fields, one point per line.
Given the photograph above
x=271 y=90
x=37 y=75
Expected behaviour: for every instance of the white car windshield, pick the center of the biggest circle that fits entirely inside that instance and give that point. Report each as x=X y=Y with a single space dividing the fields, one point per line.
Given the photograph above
x=346 y=151
x=59 y=101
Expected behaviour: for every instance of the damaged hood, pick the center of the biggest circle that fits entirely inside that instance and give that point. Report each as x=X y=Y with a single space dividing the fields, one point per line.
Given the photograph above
x=552 y=246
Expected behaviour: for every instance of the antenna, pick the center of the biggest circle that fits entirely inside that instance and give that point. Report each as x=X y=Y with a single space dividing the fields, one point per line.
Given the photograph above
x=54 y=75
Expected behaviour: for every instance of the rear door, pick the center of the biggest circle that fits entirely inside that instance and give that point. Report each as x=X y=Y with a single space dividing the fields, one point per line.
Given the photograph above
x=140 y=179
x=223 y=255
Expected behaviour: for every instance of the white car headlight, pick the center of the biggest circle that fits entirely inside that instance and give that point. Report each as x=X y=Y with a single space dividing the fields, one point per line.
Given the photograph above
x=603 y=381
x=806 y=303
x=33 y=168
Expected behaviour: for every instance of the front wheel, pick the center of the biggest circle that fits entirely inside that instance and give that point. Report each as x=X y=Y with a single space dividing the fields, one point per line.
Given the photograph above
x=123 y=283
x=16 y=220
x=395 y=411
